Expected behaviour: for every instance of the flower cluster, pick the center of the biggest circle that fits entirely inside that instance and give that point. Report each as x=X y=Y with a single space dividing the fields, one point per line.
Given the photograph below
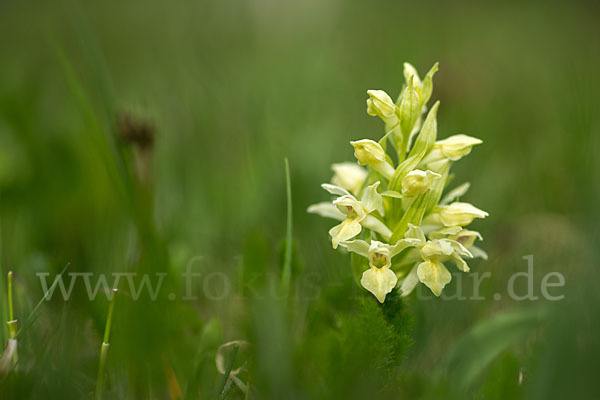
x=391 y=206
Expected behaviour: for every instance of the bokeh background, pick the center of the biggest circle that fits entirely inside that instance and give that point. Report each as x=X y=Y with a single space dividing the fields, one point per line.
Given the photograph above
x=230 y=89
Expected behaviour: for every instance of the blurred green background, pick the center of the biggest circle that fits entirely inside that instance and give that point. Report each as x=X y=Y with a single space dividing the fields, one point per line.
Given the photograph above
x=230 y=89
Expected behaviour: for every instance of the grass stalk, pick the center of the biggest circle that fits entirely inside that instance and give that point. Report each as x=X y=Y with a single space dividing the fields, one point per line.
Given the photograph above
x=104 y=348
x=286 y=275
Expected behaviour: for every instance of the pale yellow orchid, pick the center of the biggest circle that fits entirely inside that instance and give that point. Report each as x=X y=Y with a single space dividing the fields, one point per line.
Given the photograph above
x=353 y=213
x=413 y=180
x=379 y=279
x=467 y=239
x=463 y=236
x=350 y=176
x=432 y=272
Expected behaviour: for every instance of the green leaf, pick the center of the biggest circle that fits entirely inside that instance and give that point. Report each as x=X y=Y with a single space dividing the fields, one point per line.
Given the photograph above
x=414 y=215
x=428 y=84
x=392 y=193
x=437 y=189
x=286 y=275
x=409 y=110
x=423 y=145
x=226 y=381
x=476 y=350
x=455 y=193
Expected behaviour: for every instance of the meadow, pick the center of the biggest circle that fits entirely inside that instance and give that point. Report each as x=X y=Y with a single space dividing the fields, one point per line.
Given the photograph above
x=185 y=141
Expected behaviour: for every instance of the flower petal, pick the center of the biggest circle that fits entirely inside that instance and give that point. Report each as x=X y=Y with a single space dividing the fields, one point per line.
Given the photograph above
x=372 y=200
x=344 y=231
x=379 y=281
x=460 y=263
x=434 y=275
x=403 y=244
x=348 y=175
x=415 y=232
x=409 y=282
x=478 y=252
x=455 y=193
x=336 y=190
x=445 y=232
x=370 y=222
x=357 y=246
x=327 y=210
x=461 y=214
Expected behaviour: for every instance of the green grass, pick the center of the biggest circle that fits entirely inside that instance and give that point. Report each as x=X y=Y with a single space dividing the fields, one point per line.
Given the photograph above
x=231 y=90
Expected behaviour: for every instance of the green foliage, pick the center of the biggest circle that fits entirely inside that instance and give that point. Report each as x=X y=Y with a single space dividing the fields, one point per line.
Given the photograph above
x=504 y=380
x=232 y=90
x=481 y=345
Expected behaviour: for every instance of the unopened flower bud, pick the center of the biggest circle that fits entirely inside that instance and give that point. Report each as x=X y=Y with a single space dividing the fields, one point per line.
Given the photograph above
x=369 y=152
x=460 y=214
x=418 y=182
x=380 y=104
x=457 y=146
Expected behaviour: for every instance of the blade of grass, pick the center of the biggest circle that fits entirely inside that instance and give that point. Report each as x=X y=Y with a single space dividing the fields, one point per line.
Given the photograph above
x=32 y=315
x=104 y=348
x=4 y=309
x=12 y=323
x=286 y=275
x=101 y=141
x=226 y=384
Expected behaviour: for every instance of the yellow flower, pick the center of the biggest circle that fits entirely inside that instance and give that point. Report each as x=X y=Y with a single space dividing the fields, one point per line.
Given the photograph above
x=379 y=279
x=349 y=176
x=466 y=237
x=417 y=182
x=432 y=272
x=354 y=214
x=434 y=275
x=369 y=152
x=460 y=214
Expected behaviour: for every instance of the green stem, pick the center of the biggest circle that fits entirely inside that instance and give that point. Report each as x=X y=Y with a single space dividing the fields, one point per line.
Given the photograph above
x=226 y=384
x=287 y=261
x=104 y=348
x=100 y=378
x=111 y=307
x=12 y=323
x=10 y=302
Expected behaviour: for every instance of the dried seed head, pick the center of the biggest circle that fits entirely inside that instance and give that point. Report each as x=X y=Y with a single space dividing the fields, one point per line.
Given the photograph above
x=136 y=131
